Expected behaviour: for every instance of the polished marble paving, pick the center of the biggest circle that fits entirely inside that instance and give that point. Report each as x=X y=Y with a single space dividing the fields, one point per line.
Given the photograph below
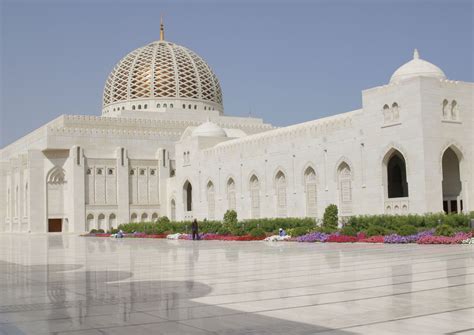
x=65 y=284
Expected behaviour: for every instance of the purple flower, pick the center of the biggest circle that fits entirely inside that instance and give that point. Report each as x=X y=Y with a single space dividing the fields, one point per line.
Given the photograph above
x=313 y=237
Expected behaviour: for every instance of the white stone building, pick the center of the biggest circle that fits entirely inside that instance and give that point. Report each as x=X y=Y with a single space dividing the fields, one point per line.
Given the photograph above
x=163 y=146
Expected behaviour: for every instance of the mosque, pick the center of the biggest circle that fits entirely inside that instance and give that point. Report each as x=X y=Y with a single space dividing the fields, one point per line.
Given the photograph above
x=163 y=146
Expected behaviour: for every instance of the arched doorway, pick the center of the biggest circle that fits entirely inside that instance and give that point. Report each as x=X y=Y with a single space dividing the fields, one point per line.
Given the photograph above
x=397 y=185
x=188 y=196
x=101 y=221
x=56 y=191
x=144 y=217
x=89 y=222
x=154 y=217
x=452 y=185
x=112 y=221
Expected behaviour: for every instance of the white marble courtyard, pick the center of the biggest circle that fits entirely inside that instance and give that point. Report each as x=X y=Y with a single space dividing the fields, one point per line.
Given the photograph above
x=65 y=284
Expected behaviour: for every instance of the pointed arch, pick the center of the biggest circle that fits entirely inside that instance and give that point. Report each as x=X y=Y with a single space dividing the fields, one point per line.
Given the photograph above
x=173 y=209
x=452 y=160
x=254 y=187
x=112 y=221
x=101 y=221
x=344 y=183
x=89 y=222
x=211 y=200
x=343 y=160
x=188 y=196
x=231 y=198
x=280 y=182
x=57 y=175
x=310 y=187
x=395 y=174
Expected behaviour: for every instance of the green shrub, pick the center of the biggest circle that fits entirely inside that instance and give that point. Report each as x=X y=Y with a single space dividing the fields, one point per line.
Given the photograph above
x=297 y=231
x=257 y=232
x=93 y=231
x=230 y=217
x=375 y=231
x=113 y=231
x=349 y=231
x=223 y=230
x=444 y=230
x=405 y=230
x=330 y=217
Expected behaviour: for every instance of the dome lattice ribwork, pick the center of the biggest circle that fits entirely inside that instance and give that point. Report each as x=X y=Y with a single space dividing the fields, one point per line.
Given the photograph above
x=162 y=70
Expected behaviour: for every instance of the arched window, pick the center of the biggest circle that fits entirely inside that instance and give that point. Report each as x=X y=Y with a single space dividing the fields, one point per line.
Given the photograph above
x=231 y=194
x=452 y=185
x=171 y=106
x=173 y=210
x=188 y=196
x=454 y=113
x=387 y=115
x=311 y=192
x=445 y=109
x=154 y=217
x=112 y=221
x=165 y=105
x=280 y=188
x=184 y=106
x=144 y=217
x=133 y=107
x=395 y=112
x=134 y=217
x=189 y=106
x=101 y=221
x=158 y=105
x=145 y=106
x=211 y=201
x=89 y=222
x=254 y=197
x=344 y=174
x=195 y=106
x=139 y=106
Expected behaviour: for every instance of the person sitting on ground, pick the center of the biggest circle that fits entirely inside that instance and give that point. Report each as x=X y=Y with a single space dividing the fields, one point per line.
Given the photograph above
x=282 y=232
x=119 y=234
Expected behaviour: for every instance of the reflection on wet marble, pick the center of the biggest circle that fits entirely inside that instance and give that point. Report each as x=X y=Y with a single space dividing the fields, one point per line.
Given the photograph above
x=65 y=284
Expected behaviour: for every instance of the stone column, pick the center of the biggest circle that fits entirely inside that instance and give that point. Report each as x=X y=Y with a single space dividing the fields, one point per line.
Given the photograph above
x=38 y=221
x=123 y=196
x=74 y=203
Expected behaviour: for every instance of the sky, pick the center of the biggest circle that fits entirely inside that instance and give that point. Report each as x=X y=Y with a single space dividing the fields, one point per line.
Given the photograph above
x=284 y=61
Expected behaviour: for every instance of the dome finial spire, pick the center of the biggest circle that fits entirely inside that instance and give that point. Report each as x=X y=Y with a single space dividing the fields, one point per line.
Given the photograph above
x=416 y=54
x=162 y=29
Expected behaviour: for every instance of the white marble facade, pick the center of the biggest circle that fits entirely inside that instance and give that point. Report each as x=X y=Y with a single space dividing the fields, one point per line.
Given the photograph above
x=163 y=146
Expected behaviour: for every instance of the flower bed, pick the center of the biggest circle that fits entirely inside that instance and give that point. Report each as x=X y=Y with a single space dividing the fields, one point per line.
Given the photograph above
x=341 y=238
x=277 y=238
x=456 y=239
x=313 y=237
x=215 y=237
x=373 y=239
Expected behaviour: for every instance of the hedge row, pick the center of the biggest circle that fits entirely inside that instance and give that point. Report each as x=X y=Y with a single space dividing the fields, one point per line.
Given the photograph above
x=371 y=225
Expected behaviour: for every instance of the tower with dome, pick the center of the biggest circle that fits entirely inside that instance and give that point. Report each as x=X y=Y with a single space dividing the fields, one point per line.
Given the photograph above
x=164 y=147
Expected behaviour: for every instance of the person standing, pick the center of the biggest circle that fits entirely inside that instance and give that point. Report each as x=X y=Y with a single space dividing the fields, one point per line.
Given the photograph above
x=195 y=230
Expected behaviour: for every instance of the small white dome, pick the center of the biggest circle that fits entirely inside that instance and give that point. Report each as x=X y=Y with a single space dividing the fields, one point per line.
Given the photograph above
x=209 y=129
x=415 y=68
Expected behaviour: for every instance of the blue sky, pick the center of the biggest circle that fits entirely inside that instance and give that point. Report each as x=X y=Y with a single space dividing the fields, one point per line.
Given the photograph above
x=284 y=61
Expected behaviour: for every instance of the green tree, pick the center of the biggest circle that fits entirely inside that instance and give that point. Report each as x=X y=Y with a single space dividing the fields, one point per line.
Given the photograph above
x=230 y=217
x=330 y=217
